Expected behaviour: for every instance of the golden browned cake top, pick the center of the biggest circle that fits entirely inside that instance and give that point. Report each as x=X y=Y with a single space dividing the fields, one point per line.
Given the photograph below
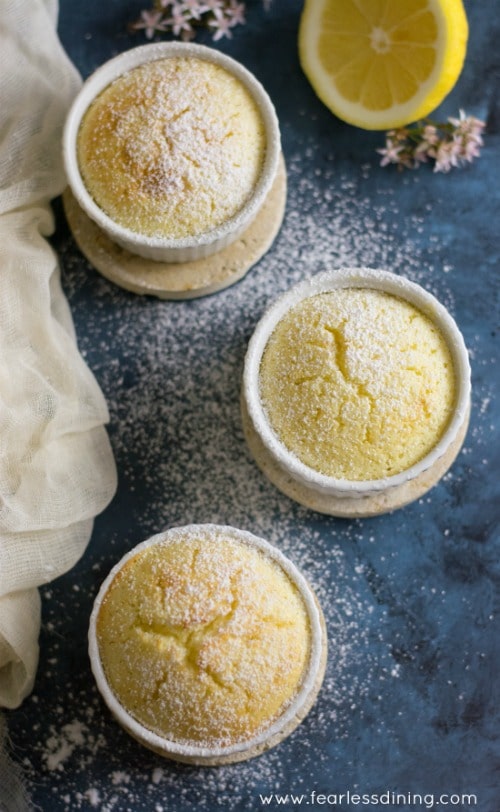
x=357 y=383
x=204 y=639
x=172 y=148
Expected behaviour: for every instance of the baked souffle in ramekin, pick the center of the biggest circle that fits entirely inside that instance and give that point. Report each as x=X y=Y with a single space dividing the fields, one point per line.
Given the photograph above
x=172 y=148
x=356 y=382
x=207 y=644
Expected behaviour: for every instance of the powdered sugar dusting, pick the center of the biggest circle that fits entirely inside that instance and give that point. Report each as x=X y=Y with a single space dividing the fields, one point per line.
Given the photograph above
x=206 y=640
x=357 y=383
x=173 y=148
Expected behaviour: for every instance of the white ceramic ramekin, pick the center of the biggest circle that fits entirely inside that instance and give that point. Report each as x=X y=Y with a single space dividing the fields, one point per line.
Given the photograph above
x=340 y=496
x=156 y=248
x=294 y=712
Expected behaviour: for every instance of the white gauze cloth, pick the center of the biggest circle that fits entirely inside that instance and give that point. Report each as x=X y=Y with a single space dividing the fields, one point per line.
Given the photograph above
x=56 y=466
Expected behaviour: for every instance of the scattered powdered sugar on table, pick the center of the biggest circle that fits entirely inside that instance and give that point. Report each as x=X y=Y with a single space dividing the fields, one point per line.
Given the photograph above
x=171 y=373
x=60 y=746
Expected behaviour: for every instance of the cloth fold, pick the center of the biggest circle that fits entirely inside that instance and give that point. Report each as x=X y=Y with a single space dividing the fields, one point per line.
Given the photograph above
x=57 y=470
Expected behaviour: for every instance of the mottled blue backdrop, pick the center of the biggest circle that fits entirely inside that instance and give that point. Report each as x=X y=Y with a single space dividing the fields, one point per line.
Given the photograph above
x=410 y=703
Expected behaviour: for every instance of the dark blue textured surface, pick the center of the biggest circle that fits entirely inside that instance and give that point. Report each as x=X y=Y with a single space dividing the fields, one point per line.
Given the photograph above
x=410 y=703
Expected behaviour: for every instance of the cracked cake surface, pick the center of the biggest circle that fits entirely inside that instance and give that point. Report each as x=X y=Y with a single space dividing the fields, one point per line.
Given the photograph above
x=204 y=639
x=357 y=383
x=172 y=148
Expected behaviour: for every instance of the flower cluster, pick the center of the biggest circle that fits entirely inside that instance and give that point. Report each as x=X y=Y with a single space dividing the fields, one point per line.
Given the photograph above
x=182 y=17
x=450 y=144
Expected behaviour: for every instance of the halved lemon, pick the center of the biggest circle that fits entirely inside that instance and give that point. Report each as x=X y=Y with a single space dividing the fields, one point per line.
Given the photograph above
x=380 y=64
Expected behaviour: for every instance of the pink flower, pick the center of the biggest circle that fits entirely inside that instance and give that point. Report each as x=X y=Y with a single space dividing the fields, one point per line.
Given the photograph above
x=236 y=12
x=447 y=156
x=468 y=126
x=194 y=8
x=176 y=17
x=467 y=136
x=449 y=144
x=390 y=155
x=222 y=25
x=470 y=149
x=430 y=135
x=150 y=21
x=178 y=22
